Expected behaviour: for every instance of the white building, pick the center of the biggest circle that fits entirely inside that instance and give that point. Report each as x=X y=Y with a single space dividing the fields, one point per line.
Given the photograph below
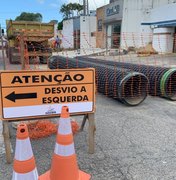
x=67 y=34
x=162 y=21
x=79 y=32
x=139 y=22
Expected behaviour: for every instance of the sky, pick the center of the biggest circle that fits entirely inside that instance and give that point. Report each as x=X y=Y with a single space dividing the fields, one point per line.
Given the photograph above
x=10 y=9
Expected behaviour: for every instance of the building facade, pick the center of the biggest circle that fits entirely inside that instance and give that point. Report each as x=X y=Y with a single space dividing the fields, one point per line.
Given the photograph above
x=126 y=23
x=162 y=21
x=101 y=33
x=79 y=32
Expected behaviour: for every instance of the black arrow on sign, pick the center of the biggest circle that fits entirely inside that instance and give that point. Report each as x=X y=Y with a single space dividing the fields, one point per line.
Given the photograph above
x=12 y=96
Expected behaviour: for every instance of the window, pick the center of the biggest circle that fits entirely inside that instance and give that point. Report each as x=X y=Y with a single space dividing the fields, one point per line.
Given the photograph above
x=116 y=29
x=100 y=24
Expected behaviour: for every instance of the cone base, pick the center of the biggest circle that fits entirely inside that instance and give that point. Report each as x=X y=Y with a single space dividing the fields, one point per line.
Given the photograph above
x=82 y=176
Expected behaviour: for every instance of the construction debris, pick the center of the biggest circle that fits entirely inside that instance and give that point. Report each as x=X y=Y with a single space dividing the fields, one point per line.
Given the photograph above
x=146 y=51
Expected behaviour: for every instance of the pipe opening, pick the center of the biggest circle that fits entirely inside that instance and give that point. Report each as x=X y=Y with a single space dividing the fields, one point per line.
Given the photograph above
x=134 y=89
x=170 y=85
x=22 y=130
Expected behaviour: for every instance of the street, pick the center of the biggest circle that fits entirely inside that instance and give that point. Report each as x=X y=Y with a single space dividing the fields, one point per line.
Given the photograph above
x=132 y=143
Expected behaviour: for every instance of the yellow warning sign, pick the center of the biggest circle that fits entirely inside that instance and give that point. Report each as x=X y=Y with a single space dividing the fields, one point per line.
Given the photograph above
x=26 y=94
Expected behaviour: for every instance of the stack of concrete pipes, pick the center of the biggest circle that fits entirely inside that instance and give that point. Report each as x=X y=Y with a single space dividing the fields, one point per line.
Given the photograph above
x=125 y=85
x=162 y=80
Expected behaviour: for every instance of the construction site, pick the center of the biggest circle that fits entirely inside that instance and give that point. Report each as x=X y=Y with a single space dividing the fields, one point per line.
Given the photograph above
x=101 y=105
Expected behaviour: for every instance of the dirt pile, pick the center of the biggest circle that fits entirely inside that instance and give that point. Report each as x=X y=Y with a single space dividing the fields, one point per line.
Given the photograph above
x=147 y=50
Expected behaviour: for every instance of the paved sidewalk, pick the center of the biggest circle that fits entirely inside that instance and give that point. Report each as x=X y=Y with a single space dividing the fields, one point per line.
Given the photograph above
x=132 y=143
x=80 y=52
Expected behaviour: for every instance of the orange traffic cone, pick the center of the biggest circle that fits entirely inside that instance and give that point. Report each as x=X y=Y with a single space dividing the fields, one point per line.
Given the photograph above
x=24 y=167
x=64 y=164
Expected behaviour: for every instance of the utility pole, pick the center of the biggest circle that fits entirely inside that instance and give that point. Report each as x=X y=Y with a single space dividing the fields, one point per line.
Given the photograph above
x=85 y=7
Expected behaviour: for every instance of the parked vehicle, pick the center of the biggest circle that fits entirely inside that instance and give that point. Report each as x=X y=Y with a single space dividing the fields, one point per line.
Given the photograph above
x=35 y=35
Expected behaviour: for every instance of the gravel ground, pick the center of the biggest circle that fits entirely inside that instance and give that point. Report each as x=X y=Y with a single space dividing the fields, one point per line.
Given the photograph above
x=2 y=149
x=131 y=143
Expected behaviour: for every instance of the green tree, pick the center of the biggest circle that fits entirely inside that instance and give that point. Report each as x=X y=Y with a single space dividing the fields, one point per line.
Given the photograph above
x=65 y=10
x=25 y=16
x=69 y=9
x=60 y=25
x=79 y=8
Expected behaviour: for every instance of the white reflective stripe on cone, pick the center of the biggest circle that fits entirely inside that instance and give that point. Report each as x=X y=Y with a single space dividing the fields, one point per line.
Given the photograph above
x=64 y=126
x=23 y=150
x=64 y=150
x=33 y=175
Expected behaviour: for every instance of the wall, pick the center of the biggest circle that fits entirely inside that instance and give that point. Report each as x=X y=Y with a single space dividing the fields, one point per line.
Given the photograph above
x=67 y=39
x=164 y=13
x=163 y=39
x=132 y=33
x=113 y=14
x=114 y=11
x=76 y=34
x=76 y=23
x=100 y=34
x=87 y=27
x=158 y=3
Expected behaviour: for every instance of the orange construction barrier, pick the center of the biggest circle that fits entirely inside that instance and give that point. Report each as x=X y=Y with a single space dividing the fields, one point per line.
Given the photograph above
x=64 y=163
x=24 y=167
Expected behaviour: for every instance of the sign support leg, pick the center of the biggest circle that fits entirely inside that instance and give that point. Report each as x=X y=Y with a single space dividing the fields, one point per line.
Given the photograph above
x=83 y=122
x=92 y=128
x=6 y=136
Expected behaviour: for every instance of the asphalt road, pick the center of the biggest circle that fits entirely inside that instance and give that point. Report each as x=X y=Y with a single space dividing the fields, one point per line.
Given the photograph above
x=132 y=143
